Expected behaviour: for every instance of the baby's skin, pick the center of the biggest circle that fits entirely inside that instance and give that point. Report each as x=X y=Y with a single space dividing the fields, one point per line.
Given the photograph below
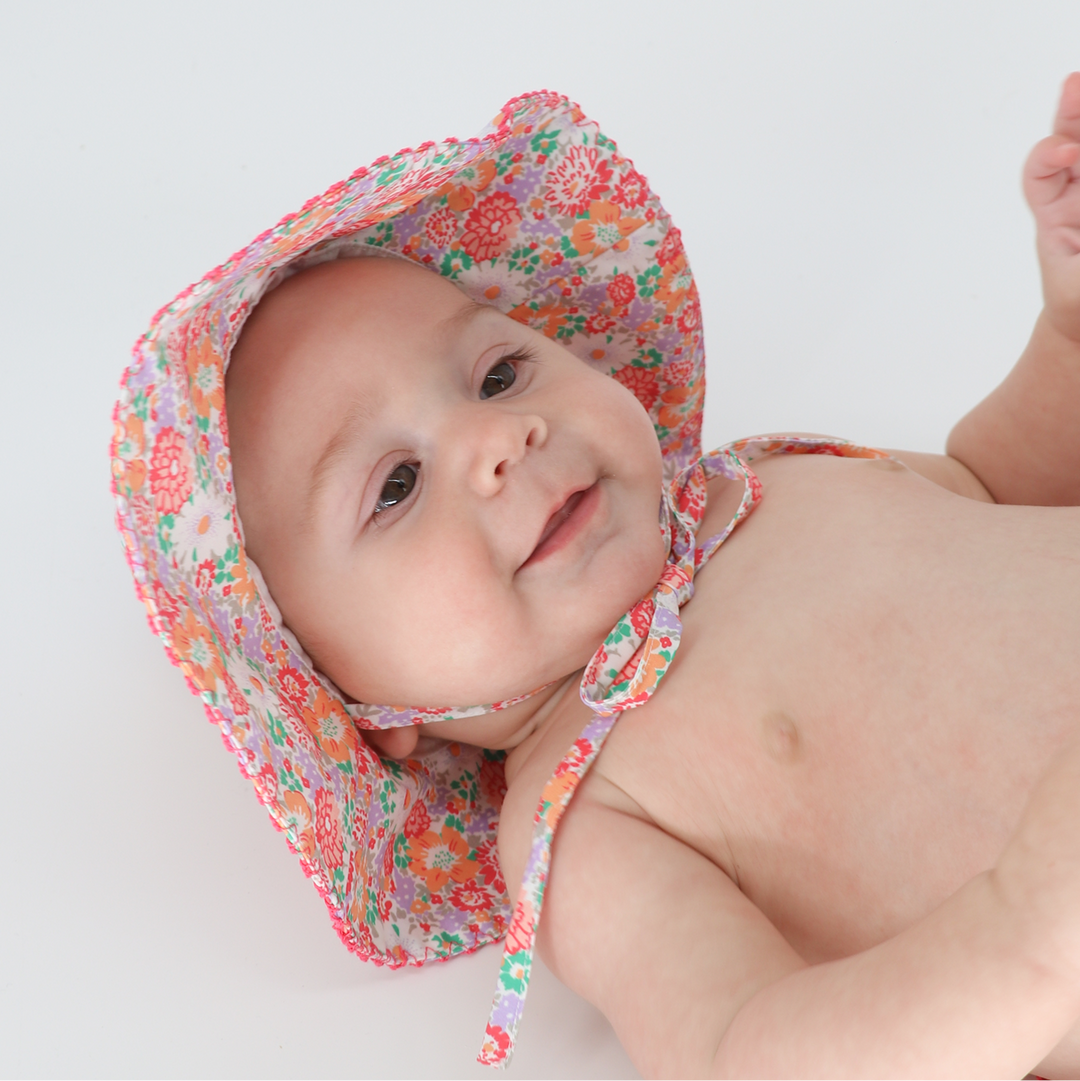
x=841 y=840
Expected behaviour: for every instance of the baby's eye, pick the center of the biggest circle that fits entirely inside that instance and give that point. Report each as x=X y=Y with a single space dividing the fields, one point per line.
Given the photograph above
x=397 y=487
x=500 y=378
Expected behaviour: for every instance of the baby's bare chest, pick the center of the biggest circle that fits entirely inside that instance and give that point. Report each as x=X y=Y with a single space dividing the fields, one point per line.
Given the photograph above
x=872 y=675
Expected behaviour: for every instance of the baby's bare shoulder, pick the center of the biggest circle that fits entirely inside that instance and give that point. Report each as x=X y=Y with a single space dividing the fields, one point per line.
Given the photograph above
x=654 y=934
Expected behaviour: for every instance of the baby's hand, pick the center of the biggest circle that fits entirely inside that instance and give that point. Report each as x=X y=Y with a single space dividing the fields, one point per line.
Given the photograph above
x=1052 y=189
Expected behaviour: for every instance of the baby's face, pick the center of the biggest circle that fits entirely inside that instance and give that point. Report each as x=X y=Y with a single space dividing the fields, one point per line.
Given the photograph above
x=448 y=508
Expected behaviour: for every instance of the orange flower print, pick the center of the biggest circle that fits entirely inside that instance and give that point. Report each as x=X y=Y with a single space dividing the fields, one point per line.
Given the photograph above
x=604 y=228
x=547 y=319
x=129 y=442
x=577 y=180
x=641 y=382
x=676 y=403
x=490 y=227
x=243 y=585
x=170 y=471
x=674 y=283
x=461 y=191
x=197 y=653
x=327 y=831
x=621 y=290
x=206 y=373
x=441 y=857
x=296 y=816
x=328 y=722
x=631 y=190
x=552 y=795
x=441 y=227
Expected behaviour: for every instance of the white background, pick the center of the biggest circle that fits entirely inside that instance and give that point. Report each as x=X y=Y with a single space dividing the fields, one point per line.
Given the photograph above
x=845 y=176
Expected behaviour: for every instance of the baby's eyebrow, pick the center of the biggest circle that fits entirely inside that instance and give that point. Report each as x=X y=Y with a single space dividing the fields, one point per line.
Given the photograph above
x=463 y=316
x=345 y=435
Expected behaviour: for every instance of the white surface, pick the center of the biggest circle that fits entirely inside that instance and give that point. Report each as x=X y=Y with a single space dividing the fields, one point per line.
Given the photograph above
x=845 y=175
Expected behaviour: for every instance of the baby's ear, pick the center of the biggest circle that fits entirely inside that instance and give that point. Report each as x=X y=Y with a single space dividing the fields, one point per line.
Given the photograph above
x=393 y=742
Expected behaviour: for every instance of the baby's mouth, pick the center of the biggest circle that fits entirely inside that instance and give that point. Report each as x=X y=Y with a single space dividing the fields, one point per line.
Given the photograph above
x=565 y=523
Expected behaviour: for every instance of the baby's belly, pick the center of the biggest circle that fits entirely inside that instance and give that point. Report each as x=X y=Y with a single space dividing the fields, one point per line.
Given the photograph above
x=873 y=674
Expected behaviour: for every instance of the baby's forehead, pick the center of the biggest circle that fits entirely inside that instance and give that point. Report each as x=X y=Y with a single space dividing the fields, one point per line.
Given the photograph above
x=341 y=319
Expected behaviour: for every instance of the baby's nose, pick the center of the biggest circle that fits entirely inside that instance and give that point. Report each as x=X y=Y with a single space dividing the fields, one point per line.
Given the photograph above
x=498 y=443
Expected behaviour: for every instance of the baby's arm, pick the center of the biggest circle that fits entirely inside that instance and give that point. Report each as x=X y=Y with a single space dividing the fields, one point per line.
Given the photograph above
x=1023 y=441
x=698 y=983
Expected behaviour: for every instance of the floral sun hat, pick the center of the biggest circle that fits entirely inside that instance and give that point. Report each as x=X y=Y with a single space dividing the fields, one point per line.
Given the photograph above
x=540 y=216
x=543 y=218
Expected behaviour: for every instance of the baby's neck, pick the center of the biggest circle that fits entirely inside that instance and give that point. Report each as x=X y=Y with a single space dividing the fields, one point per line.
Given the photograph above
x=538 y=719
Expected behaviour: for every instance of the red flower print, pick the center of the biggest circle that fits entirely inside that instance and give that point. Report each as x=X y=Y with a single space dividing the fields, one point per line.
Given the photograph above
x=293 y=688
x=204 y=575
x=265 y=782
x=418 y=822
x=170 y=471
x=678 y=372
x=575 y=757
x=145 y=519
x=490 y=871
x=578 y=179
x=641 y=616
x=327 y=832
x=670 y=248
x=168 y=607
x=238 y=702
x=598 y=323
x=519 y=934
x=383 y=905
x=690 y=318
x=641 y=382
x=388 y=860
x=493 y=781
x=631 y=190
x=497 y=1043
x=490 y=226
x=470 y=898
x=621 y=290
x=441 y=227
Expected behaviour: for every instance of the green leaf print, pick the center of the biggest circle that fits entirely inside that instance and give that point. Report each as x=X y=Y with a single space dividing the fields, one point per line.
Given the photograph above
x=454 y=262
x=277 y=729
x=648 y=282
x=544 y=142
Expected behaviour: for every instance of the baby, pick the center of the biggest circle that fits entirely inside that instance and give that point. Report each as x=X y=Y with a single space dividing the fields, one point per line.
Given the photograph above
x=840 y=840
